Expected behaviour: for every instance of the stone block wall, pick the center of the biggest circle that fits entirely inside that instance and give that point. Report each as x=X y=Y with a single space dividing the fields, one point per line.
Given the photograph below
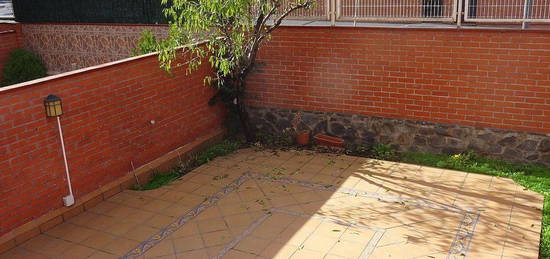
x=410 y=135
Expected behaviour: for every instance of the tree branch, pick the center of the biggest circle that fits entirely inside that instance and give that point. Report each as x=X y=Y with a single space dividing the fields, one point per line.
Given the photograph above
x=258 y=39
x=279 y=20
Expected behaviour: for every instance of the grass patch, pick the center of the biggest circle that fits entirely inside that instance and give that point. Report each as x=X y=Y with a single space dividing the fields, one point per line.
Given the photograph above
x=163 y=178
x=532 y=177
x=159 y=179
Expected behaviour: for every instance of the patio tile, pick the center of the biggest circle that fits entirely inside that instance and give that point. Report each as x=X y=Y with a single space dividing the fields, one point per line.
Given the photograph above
x=252 y=245
x=140 y=233
x=210 y=225
x=236 y=220
x=282 y=201
x=206 y=190
x=145 y=196
x=357 y=235
x=485 y=256
x=71 y=232
x=120 y=246
x=159 y=221
x=189 y=243
x=189 y=229
x=78 y=251
x=176 y=210
x=233 y=254
x=83 y=218
x=163 y=257
x=172 y=196
x=101 y=222
x=300 y=204
x=310 y=254
x=195 y=254
x=330 y=230
x=98 y=240
x=515 y=252
x=47 y=245
x=104 y=207
x=214 y=251
x=102 y=255
x=347 y=249
x=187 y=187
x=319 y=243
x=201 y=179
x=21 y=253
x=217 y=238
x=164 y=248
x=157 y=205
x=121 y=227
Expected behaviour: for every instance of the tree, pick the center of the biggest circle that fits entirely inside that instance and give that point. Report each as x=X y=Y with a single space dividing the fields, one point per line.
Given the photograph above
x=233 y=31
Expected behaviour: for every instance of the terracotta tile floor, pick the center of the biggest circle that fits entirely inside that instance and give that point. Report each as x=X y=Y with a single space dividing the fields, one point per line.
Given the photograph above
x=300 y=204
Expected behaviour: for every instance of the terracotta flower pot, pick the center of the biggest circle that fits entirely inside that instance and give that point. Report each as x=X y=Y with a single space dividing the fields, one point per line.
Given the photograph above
x=325 y=140
x=302 y=139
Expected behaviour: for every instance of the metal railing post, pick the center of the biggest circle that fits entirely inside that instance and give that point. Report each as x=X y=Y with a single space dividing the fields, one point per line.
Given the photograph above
x=459 y=13
x=355 y=12
x=332 y=8
x=526 y=12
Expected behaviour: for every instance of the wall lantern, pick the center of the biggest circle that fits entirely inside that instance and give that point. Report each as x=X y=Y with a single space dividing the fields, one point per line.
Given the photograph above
x=53 y=107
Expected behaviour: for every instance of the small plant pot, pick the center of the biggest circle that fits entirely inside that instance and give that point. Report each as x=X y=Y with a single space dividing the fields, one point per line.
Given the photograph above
x=329 y=141
x=302 y=139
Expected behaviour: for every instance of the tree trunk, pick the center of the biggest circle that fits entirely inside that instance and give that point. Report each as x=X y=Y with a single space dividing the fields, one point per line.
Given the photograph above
x=239 y=87
x=243 y=118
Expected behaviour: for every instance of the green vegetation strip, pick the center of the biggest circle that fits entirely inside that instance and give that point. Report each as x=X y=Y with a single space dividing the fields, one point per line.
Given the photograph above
x=532 y=177
x=163 y=178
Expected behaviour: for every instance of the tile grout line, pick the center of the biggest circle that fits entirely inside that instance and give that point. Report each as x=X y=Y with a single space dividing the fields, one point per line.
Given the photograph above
x=372 y=244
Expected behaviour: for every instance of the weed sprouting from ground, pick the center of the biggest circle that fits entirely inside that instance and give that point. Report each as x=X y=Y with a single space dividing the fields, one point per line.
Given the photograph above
x=163 y=178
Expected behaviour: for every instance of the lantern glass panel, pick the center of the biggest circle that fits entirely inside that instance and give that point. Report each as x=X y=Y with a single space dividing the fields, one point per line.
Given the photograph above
x=53 y=107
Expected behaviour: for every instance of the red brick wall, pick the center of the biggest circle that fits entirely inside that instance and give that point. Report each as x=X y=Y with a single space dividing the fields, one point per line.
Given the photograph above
x=107 y=125
x=10 y=38
x=496 y=79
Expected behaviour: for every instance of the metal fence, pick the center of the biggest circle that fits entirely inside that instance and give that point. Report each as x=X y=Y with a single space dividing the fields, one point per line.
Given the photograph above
x=478 y=11
x=396 y=10
x=6 y=9
x=495 y=11
x=319 y=11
